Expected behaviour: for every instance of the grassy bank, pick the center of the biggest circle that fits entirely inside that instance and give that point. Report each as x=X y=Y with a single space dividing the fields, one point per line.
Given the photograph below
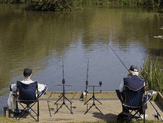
x=152 y=72
x=10 y=120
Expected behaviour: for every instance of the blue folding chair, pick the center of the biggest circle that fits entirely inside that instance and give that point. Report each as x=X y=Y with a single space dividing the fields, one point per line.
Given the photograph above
x=27 y=97
x=134 y=102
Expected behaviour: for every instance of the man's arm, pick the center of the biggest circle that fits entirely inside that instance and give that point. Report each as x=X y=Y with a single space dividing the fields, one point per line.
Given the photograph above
x=42 y=89
x=13 y=88
x=121 y=86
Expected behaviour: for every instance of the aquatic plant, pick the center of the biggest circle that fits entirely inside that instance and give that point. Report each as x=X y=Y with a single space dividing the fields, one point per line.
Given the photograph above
x=152 y=72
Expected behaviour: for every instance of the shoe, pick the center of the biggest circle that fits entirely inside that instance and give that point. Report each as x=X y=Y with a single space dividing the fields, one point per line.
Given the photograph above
x=29 y=110
x=11 y=116
x=17 y=111
x=142 y=116
x=24 y=113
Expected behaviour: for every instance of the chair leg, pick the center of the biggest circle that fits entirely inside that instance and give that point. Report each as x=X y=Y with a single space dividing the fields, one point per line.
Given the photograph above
x=144 y=116
x=38 y=111
x=16 y=109
x=28 y=108
x=9 y=113
x=4 y=111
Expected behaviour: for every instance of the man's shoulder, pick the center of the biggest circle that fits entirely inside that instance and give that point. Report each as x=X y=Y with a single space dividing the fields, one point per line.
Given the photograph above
x=126 y=78
x=133 y=78
x=27 y=82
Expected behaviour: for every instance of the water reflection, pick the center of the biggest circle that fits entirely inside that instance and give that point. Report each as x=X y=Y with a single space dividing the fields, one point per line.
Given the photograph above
x=156 y=52
x=41 y=40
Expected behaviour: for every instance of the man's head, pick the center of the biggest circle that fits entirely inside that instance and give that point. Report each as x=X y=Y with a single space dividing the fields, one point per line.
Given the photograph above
x=134 y=70
x=27 y=72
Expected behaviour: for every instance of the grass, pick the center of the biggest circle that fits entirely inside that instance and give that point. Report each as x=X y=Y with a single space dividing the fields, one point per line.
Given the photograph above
x=10 y=120
x=153 y=74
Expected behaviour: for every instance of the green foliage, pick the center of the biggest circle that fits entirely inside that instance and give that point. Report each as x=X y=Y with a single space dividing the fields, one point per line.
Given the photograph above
x=60 y=5
x=52 y=5
x=153 y=74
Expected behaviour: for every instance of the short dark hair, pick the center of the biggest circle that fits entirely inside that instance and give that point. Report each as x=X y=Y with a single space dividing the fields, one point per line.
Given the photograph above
x=27 y=72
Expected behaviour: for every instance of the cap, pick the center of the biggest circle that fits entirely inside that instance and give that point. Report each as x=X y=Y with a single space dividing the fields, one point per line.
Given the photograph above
x=134 y=68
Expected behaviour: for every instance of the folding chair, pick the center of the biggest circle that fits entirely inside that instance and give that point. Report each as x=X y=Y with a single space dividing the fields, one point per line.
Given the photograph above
x=133 y=101
x=27 y=98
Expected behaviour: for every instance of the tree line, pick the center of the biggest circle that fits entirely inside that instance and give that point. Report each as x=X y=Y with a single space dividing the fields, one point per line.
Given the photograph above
x=60 y=5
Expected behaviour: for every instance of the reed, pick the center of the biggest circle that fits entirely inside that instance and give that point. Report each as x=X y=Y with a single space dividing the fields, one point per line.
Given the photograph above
x=153 y=74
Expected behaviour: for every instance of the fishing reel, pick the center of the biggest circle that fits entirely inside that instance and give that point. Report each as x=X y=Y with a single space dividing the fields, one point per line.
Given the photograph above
x=86 y=91
x=100 y=83
x=158 y=116
x=86 y=82
x=63 y=81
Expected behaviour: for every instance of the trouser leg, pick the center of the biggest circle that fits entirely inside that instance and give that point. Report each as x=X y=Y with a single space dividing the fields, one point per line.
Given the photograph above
x=124 y=109
x=142 y=111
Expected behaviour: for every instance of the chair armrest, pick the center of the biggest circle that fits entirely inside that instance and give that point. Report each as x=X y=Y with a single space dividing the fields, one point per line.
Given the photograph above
x=150 y=92
x=146 y=98
x=15 y=95
x=42 y=92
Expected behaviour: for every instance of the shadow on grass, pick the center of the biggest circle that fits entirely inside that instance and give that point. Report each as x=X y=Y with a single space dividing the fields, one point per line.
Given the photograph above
x=106 y=117
x=112 y=118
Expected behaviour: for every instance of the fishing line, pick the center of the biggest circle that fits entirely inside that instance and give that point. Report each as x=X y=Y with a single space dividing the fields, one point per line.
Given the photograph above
x=118 y=57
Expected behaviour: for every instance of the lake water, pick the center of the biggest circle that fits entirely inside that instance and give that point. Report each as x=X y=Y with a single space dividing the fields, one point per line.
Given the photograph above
x=47 y=41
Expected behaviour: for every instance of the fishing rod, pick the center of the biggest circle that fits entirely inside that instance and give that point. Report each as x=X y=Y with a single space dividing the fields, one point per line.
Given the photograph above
x=86 y=90
x=118 y=58
x=63 y=80
x=63 y=97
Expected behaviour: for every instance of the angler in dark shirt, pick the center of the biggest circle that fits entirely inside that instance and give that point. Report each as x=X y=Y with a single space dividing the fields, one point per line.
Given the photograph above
x=133 y=82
